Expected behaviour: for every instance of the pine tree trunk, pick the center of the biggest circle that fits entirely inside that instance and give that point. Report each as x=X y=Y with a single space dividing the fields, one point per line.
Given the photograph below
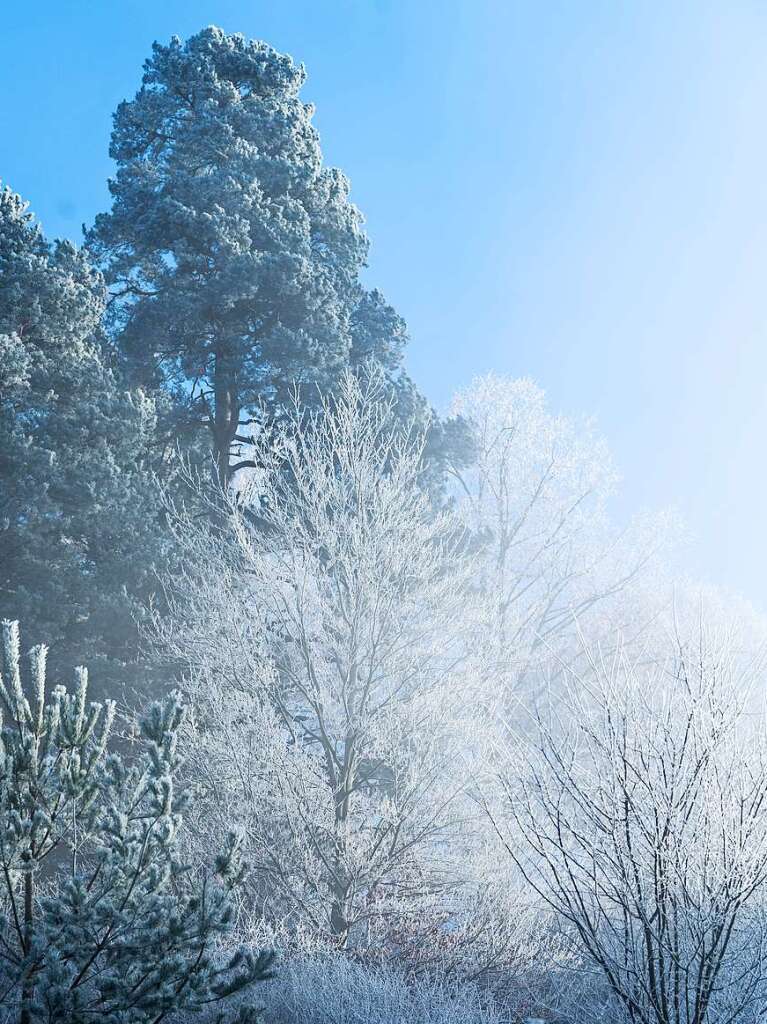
x=226 y=415
x=27 y=989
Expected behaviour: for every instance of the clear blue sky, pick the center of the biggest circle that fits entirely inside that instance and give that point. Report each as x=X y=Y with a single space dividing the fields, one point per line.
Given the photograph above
x=574 y=191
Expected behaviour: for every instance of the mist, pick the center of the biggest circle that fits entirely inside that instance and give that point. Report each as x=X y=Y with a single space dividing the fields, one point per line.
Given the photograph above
x=380 y=515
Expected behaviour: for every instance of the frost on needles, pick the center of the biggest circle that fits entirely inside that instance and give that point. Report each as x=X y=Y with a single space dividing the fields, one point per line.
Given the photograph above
x=100 y=919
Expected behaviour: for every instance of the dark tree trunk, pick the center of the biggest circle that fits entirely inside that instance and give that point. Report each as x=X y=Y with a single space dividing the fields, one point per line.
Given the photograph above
x=27 y=989
x=339 y=910
x=226 y=418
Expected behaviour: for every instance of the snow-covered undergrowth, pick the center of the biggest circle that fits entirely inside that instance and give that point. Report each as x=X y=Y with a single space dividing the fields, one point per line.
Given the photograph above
x=327 y=989
x=333 y=989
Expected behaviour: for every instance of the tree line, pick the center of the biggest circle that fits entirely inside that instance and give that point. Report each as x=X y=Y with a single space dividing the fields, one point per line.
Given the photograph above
x=387 y=692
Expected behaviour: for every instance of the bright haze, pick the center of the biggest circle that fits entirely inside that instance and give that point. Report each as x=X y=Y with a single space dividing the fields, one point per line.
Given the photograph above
x=571 y=192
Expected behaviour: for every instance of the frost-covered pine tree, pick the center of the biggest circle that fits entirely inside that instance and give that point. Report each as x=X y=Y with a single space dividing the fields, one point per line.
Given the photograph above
x=79 y=514
x=100 y=920
x=233 y=253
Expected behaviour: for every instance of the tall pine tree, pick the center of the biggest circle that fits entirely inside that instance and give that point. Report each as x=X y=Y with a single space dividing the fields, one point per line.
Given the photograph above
x=79 y=525
x=233 y=254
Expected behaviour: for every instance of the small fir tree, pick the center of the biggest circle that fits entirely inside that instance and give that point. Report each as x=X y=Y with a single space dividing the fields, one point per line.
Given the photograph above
x=100 y=919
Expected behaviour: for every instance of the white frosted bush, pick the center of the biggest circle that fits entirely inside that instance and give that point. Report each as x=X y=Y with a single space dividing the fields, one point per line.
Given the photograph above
x=336 y=990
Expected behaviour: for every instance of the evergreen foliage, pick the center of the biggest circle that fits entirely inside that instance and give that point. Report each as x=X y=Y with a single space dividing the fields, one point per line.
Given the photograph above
x=233 y=253
x=101 y=921
x=79 y=528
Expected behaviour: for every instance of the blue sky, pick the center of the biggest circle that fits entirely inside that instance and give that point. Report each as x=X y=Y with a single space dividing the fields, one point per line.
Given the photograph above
x=575 y=192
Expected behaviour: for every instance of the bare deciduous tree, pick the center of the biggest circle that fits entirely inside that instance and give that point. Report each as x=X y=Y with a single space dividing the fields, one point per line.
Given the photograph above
x=639 y=817
x=536 y=497
x=324 y=628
